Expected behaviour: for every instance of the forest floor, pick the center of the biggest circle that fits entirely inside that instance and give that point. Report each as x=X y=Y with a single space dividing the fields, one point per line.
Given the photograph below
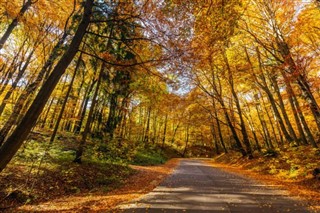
x=42 y=177
x=58 y=185
x=291 y=170
x=54 y=195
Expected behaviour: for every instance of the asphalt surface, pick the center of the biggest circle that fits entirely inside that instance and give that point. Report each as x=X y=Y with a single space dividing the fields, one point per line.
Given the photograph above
x=197 y=187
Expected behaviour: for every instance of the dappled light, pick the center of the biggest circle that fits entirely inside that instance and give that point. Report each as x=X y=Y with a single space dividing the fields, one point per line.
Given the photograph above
x=140 y=183
x=99 y=95
x=212 y=190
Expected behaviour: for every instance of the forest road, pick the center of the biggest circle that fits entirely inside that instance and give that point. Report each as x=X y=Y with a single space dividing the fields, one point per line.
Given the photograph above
x=195 y=186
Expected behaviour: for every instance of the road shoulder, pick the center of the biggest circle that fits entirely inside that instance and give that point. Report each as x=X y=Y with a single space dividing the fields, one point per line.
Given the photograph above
x=312 y=198
x=144 y=181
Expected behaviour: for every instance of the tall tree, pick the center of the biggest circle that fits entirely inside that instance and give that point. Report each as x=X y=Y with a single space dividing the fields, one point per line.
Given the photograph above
x=15 y=140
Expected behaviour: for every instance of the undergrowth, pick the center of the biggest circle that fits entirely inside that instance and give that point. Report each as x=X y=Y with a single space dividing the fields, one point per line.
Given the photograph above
x=149 y=157
x=289 y=167
x=41 y=172
x=295 y=163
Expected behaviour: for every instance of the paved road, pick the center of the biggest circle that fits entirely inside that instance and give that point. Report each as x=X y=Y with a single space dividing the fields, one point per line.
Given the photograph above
x=197 y=187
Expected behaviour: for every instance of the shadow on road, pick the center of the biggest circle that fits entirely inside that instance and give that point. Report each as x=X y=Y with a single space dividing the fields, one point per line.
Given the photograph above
x=197 y=187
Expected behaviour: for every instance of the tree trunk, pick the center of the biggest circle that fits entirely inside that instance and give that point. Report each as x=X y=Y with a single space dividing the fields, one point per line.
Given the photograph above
x=272 y=101
x=243 y=127
x=14 y=23
x=263 y=123
x=80 y=101
x=233 y=130
x=251 y=124
x=65 y=101
x=15 y=140
x=187 y=141
x=298 y=112
x=11 y=68
x=236 y=100
x=265 y=130
x=218 y=126
x=86 y=130
x=83 y=108
x=58 y=104
x=175 y=129
x=112 y=118
x=31 y=88
x=16 y=81
x=307 y=94
x=266 y=109
x=164 y=131
x=278 y=116
x=301 y=80
x=46 y=114
x=146 y=135
x=293 y=108
x=282 y=108
x=155 y=124
x=215 y=139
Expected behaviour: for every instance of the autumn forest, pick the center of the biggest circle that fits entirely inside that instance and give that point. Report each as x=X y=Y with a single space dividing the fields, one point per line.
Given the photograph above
x=119 y=81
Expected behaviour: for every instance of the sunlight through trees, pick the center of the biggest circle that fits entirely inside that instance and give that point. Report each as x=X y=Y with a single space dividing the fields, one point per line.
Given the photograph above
x=198 y=77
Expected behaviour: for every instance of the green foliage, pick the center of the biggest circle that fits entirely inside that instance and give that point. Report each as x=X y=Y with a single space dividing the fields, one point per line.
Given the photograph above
x=294 y=171
x=52 y=167
x=31 y=150
x=149 y=157
x=112 y=180
x=116 y=150
x=273 y=170
x=62 y=154
x=270 y=153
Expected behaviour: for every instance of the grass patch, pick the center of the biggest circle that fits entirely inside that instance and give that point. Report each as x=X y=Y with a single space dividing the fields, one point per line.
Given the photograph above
x=148 y=158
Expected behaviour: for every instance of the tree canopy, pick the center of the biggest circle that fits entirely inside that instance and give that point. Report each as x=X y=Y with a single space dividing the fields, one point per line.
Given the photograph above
x=202 y=77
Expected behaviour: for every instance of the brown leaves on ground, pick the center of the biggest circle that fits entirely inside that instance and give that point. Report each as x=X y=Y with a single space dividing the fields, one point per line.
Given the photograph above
x=305 y=188
x=145 y=180
x=19 y=184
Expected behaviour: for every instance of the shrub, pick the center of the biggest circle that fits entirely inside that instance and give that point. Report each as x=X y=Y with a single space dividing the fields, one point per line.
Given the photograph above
x=270 y=153
x=148 y=157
